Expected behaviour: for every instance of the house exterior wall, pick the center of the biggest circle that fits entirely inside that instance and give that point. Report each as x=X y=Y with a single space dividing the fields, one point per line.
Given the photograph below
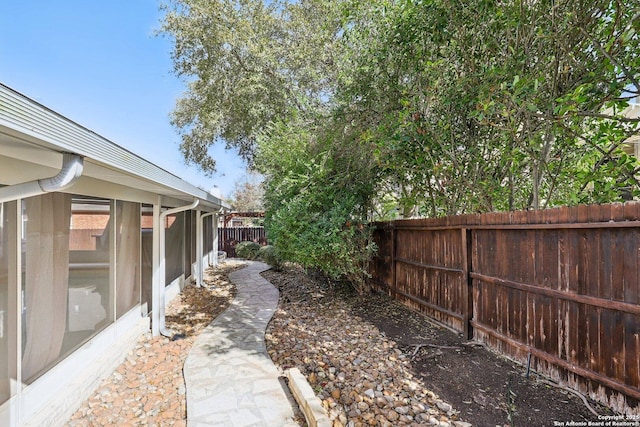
x=98 y=329
x=79 y=267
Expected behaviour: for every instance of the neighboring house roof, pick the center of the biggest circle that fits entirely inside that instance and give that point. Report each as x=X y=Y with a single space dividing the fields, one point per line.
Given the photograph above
x=33 y=138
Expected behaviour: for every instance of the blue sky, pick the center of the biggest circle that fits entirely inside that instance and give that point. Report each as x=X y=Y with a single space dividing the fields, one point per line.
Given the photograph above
x=99 y=64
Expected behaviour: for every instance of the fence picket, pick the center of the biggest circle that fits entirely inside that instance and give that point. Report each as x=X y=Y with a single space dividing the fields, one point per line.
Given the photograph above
x=562 y=284
x=230 y=236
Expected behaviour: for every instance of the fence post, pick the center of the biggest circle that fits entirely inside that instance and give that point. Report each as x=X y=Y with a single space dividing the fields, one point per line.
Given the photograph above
x=393 y=261
x=467 y=283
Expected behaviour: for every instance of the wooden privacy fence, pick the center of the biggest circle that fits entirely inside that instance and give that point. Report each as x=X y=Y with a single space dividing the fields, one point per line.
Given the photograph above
x=561 y=286
x=230 y=236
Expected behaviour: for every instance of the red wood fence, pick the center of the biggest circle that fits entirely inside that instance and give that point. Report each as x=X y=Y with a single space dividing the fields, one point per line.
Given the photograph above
x=230 y=236
x=561 y=285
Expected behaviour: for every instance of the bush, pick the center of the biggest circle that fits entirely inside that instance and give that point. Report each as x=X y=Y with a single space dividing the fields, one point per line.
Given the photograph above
x=248 y=250
x=269 y=255
x=318 y=196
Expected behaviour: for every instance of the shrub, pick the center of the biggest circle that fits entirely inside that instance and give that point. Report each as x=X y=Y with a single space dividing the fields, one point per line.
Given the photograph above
x=248 y=250
x=318 y=196
x=269 y=255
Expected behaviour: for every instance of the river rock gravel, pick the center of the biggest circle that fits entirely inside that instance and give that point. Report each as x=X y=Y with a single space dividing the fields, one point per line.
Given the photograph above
x=148 y=389
x=361 y=376
x=374 y=361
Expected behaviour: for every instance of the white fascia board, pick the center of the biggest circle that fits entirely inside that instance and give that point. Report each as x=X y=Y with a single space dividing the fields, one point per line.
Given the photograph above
x=25 y=116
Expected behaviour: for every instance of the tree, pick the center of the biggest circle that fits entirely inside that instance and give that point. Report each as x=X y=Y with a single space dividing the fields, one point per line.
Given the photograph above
x=263 y=77
x=438 y=107
x=319 y=187
x=494 y=106
x=248 y=64
x=248 y=194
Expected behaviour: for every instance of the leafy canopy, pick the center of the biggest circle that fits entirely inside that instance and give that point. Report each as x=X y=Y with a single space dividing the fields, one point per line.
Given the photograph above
x=482 y=106
x=357 y=110
x=248 y=64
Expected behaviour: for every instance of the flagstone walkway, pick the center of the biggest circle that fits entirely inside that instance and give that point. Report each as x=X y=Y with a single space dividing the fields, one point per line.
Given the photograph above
x=230 y=379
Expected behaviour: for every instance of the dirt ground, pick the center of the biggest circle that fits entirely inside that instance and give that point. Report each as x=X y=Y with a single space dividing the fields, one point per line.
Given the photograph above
x=486 y=389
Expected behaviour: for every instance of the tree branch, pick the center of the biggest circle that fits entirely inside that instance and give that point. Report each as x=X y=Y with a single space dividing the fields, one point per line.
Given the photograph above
x=624 y=69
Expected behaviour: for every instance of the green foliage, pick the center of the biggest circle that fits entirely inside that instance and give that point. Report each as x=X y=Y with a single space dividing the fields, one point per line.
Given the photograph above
x=269 y=254
x=318 y=194
x=247 y=250
x=496 y=106
x=354 y=110
x=249 y=63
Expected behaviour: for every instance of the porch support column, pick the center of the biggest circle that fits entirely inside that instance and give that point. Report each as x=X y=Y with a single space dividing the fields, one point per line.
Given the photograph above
x=156 y=265
x=199 y=247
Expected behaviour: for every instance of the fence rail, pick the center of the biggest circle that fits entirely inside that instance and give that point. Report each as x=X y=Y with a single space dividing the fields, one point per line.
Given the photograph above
x=561 y=285
x=230 y=236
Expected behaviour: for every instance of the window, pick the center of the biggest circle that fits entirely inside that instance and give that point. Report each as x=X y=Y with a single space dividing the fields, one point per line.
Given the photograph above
x=174 y=246
x=128 y=273
x=69 y=265
x=66 y=284
x=207 y=227
x=8 y=365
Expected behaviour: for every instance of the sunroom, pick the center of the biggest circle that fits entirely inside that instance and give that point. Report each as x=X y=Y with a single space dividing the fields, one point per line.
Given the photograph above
x=94 y=240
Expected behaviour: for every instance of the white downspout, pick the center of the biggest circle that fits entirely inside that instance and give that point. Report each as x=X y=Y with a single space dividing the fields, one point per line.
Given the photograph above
x=156 y=283
x=72 y=167
x=162 y=273
x=216 y=236
x=200 y=247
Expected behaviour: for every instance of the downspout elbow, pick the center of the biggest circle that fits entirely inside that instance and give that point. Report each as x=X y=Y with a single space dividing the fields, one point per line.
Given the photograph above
x=168 y=212
x=72 y=167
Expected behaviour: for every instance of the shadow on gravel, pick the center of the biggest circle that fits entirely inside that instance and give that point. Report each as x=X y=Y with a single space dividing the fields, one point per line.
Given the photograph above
x=487 y=389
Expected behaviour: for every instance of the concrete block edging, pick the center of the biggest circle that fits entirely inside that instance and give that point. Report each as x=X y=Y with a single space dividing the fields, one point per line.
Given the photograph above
x=308 y=402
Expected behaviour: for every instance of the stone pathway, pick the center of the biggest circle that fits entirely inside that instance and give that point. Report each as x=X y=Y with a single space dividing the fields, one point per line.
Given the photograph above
x=230 y=379
x=148 y=388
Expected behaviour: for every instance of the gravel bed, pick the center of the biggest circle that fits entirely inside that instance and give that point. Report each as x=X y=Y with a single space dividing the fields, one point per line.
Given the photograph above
x=148 y=388
x=361 y=376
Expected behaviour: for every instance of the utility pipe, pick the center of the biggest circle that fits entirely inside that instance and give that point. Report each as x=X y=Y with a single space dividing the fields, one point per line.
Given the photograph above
x=72 y=167
x=162 y=276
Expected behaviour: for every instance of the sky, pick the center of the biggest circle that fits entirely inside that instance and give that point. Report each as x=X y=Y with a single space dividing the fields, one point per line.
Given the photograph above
x=100 y=64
